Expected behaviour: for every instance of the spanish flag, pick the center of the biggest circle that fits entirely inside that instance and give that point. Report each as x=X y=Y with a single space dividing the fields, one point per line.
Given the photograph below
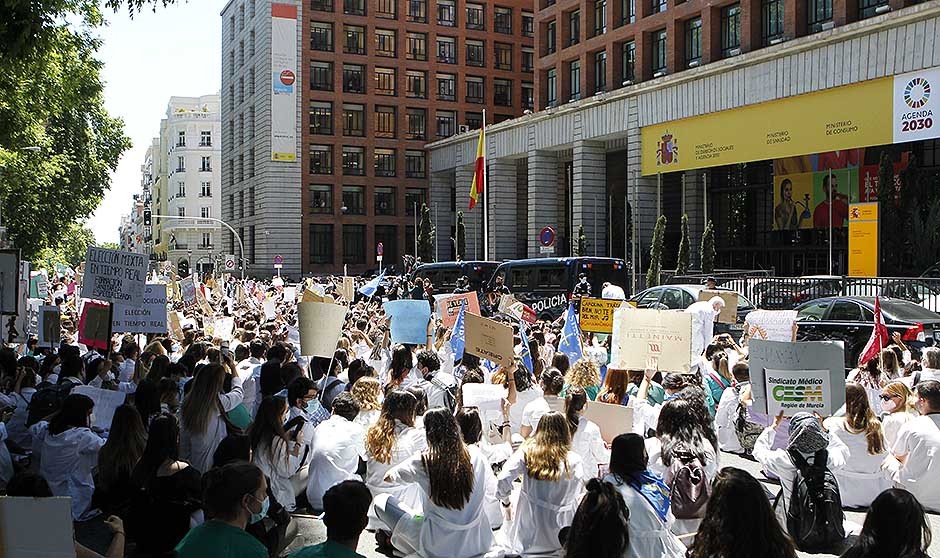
x=476 y=187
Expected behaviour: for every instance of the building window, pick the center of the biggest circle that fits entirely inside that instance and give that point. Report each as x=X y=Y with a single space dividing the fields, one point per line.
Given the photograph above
x=251 y=245
x=321 y=118
x=474 y=120
x=417 y=46
x=600 y=71
x=600 y=17
x=181 y=139
x=418 y=11
x=475 y=93
x=528 y=96
x=321 y=36
x=627 y=62
x=384 y=162
x=205 y=164
x=731 y=30
x=417 y=83
x=384 y=201
x=204 y=213
x=321 y=159
x=251 y=44
x=476 y=18
x=354 y=120
x=446 y=13
x=321 y=76
x=354 y=161
x=693 y=41
x=385 y=9
x=475 y=53
x=354 y=78
x=503 y=20
x=251 y=201
x=503 y=56
x=658 y=52
x=415 y=164
x=355 y=39
x=574 y=79
x=627 y=12
x=321 y=198
x=414 y=198
x=384 y=122
x=417 y=121
x=206 y=237
x=818 y=13
x=354 y=200
x=321 y=244
x=321 y=5
x=251 y=162
x=658 y=6
x=446 y=87
x=181 y=212
x=180 y=164
x=528 y=25
x=446 y=123
x=385 y=81
x=205 y=139
x=354 y=244
x=251 y=81
x=385 y=43
x=502 y=92
x=869 y=8
x=771 y=22
x=574 y=28
x=551 y=88
x=528 y=59
x=354 y=7
x=206 y=190
x=447 y=50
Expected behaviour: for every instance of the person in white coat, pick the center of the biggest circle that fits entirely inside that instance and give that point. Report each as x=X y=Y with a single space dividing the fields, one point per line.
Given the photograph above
x=68 y=451
x=646 y=496
x=916 y=466
x=367 y=391
x=897 y=403
x=451 y=521
x=22 y=394
x=601 y=524
x=6 y=462
x=337 y=450
x=277 y=453
x=202 y=424
x=862 y=478
x=586 y=440
x=552 y=484
x=704 y=313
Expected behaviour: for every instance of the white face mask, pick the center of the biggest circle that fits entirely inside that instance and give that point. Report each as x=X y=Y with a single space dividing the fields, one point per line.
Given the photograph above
x=889 y=406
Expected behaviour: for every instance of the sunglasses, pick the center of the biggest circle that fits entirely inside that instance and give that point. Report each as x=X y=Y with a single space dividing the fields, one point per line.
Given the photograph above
x=885 y=397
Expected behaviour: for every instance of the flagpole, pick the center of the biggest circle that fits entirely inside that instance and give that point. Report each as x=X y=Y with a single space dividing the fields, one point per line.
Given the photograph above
x=486 y=235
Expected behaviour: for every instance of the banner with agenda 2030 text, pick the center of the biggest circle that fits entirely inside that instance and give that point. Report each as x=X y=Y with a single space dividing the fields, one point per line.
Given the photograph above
x=114 y=276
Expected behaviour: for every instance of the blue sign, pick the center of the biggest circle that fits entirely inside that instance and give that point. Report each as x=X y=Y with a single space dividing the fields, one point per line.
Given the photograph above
x=547 y=236
x=409 y=320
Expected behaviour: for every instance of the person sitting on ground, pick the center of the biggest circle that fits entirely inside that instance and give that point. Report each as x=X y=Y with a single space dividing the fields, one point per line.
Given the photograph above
x=552 y=383
x=337 y=450
x=601 y=525
x=895 y=527
x=346 y=509
x=584 y=374
x=897 y=403
x=916 y=466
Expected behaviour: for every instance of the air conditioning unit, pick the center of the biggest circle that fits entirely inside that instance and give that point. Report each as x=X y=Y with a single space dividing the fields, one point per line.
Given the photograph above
x=883 y=9
x=734 y=52
x=627 y=82
x=659 y=74
x=463 y=128
x=695 y=64
x=828 y=25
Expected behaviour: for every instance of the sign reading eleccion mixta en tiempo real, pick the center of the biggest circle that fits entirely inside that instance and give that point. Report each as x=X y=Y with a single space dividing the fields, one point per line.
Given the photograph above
x=114 y=276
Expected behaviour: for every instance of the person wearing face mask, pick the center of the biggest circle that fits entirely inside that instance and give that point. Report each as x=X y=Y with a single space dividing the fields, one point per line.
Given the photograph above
x=897 y=403
x=279 y=457
x=646 y=414
x=234 y=496
x=916 y=466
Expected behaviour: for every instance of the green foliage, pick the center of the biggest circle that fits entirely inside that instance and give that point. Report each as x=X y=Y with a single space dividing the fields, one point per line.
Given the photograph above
x=682 y=261
x=581 y=247
x=70 y=250
x=656 y=253
x=461 y=238
x=708 y=248
x=109 y=245
x=426 y=236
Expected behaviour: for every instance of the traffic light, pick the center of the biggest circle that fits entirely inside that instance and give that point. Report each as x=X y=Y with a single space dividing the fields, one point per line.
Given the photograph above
x=183 y=268
x=148 y=218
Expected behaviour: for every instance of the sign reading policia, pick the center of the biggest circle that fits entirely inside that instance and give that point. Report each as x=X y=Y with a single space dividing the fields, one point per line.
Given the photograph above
x=882 y=111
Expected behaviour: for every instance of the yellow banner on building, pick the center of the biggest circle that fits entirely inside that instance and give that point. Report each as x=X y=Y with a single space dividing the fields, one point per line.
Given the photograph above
x=597 y=315
x=863 y=239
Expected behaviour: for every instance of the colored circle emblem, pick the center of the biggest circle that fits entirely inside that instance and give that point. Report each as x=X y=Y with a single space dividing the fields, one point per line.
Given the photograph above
x=278 y=260
x=287 y=77
x=547 y=236
x=917 y=92
x=379 y=249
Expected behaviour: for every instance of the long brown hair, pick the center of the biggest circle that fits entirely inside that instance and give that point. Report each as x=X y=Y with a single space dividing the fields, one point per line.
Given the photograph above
x=380 y=439
x=126 y=442
x=203 y=400
x=450 y=473
x=860 y=418
x=616 y=384
x=546 y=453
x=575 y=401
x=268 y=426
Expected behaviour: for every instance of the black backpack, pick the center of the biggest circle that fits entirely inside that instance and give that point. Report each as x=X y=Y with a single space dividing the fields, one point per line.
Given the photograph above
x=450 y=393
x=46 y=401
x=814 y=516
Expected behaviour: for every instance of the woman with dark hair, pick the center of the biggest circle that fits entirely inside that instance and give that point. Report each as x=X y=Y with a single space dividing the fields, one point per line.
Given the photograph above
x=278 y=457
x=202 y=425
x=402 y=363
x=586 y=439
x=895 y=527
x=471 y=430
x=561 y=363
x=616 y=387
x=520 y=391
x=739 y=522
x=147 y=400
x=453 y=478
x=601 y=525
x=68 y=453
x=159 y=368
x=552 y=382
x=647 y=496
x=117 y=459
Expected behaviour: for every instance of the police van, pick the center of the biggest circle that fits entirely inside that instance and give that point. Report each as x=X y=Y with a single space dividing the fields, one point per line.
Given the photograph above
x=444 y=275
x=545 y=284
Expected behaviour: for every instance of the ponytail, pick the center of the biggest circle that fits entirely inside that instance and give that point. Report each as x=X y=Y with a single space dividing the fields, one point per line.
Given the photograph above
x=574 y=404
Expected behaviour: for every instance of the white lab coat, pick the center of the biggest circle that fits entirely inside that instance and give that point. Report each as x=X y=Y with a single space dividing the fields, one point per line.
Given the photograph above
x=127 y=370
x=654 y=449
x=280 y=466
x=16 y=428
x=725 y=416
x=66 y=462
x=703 y=327
x=443 y=532
x=197 y=448
x=367 y=418
x=919 y=440
x=538 y=408
x=523 y=398
x=645 y=415
x=613 y=292
x=544 y=507
x=409 y=440
x=649 y=535
x=862 y=479
x=249 y=370
x=588 y=443
x=892 y=424
x=337 y=447
x=6 y=462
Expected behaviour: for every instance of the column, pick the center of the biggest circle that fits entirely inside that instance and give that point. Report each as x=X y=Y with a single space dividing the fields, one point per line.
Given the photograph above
x=500 y=199
x=543 y=196
x=589 y=196
x=693 y=205
x=442 y=187
x=472 y=219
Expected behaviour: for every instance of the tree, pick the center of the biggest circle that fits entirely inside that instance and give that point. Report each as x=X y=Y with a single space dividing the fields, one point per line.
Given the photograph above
x=109 y=245
x=581 y=245
x=656 y=252
x=708 y=248
x=425 y=236
x=461 y=239
x=70 y=250
x=682 y=261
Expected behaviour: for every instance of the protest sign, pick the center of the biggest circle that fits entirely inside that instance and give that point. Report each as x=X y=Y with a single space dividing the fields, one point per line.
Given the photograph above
x=114 y=276
x=613 y=420
x=641 y=334
x=349 y=288
x=188 y=291
x=320 y=325
x=770 y=325
x=93 y=327
x=9 y=281
x=485 y=397
x=729 y=314
x=270 y=308
x=509 y=306
x=290 y=294
x=488 y=339
x=597 y=315
x=36 y=527
x=50 y=327
x=220 y=327
x=449 y=306
x=106 y=402
x=176 y=326
x=203 y=300
x=806 y=376
x=150 y=317
x=409 y=320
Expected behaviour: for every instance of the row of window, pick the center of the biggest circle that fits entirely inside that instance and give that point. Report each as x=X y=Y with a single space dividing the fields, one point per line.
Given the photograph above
x=385 y=161
x=205 y=138
x=237 y=25
x=242 y=127
x=241 y=167
x=205 y=243
x=205 y=190
x=204 y=212
x=385 y=120
x=205 y=164
x=417 y=12
x=321 y=248
x=246 y=203
x=242 y=82
x=320 y=200
x=240 y=60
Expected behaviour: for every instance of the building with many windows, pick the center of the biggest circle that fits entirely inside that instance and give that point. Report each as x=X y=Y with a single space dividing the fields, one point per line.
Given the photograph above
x=372 y=83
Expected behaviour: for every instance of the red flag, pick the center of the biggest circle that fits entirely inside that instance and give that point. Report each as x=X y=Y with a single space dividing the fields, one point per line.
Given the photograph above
x=879 y=337
x=476 y=187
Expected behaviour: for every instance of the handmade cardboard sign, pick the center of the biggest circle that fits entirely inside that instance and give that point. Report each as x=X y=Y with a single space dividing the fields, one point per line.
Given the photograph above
x=613 y=420
x=409 y=320
x=449 y=306
x=770 y=325
x=488 y=339
x=597 y=315
x=150 y=317
x=642 y=333
x=114 y=276
x=729 y=314
x=50 y=326
x=511 y=307
x=93 y=326
x=106 y=402
x=320 y=325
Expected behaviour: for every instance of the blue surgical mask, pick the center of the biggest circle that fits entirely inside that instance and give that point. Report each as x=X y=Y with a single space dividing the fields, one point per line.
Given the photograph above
x=256 y=517
x=312 y=406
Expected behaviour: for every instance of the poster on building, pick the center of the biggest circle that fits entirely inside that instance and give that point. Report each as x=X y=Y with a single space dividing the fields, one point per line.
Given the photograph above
x=114 y=276
x=770 y=325
x=782 y=373
x=795 y=391
x=283 y=82
x=641 y=334
x=449 y=306
x=801 y=200
x=916 y=111
x=597 y=315
x=150 y=317
x=863 y=240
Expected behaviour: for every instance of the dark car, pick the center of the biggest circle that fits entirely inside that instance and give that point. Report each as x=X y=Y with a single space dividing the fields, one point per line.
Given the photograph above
x=851 y=318
x=680 y=297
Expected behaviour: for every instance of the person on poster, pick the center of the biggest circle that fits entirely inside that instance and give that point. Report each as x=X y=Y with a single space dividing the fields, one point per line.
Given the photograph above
x=840 y=209
x=786 y=214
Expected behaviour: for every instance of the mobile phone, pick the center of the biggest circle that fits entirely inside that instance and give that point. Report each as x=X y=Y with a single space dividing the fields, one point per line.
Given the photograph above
x=225 y=349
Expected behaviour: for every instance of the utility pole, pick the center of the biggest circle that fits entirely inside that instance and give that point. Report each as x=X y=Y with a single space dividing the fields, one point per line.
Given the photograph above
x=241 y=246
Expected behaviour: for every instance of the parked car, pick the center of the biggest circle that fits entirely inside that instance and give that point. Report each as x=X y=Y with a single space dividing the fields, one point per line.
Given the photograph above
x=917 y=291
x=851 y=318
x=680 y=297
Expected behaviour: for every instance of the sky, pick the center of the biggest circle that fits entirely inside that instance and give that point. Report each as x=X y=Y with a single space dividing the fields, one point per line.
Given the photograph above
x=148 y=59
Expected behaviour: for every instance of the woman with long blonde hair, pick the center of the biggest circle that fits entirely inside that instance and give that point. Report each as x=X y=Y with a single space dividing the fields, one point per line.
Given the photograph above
x=586 y=375
x=202 y=426
x=897 y=404
x=552 y=483
x=366 y=391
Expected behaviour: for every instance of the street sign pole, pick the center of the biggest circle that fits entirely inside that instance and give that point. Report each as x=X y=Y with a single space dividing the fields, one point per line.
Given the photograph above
x=379 y=253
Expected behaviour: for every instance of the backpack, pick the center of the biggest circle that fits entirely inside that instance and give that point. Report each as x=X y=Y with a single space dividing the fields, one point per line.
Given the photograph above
x=746 y=431
x=450 y=393
x=326 y=388
x=814 y=516
x=689 y=486
x=46 y=401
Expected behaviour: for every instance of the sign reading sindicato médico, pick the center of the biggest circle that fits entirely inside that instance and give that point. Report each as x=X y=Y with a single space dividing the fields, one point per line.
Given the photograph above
x=794 y=391
x=114 y=276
